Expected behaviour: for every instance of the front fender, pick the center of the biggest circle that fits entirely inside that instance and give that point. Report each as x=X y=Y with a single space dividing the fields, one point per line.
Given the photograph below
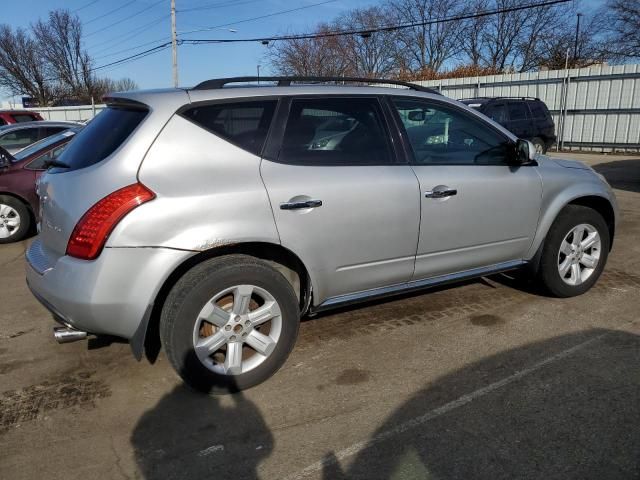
x=567 y=186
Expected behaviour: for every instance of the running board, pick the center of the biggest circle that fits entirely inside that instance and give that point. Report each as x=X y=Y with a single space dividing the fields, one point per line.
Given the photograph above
x=351 y=298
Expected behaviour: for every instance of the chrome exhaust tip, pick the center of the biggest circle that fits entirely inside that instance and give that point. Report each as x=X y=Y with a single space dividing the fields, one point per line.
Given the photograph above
x=68 y=335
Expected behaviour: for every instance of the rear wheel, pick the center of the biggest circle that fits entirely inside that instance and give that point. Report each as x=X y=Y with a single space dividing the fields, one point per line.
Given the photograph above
x=229 y=324
x=575 y=251
x=15 y=220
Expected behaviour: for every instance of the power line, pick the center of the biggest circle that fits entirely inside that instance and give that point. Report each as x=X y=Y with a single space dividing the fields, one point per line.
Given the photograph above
x=129 y=34
x=162 y=46
x=109 y=12
x=85 y=6
x=369 y=31
x=217 y=5
x=281 y=12
x=124 y=19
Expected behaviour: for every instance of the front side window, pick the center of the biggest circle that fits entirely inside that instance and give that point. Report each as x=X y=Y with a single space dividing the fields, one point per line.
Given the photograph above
x=439 y=134
x=497 y=113
x=244 y=124
x=336 y=131
x=18 y=139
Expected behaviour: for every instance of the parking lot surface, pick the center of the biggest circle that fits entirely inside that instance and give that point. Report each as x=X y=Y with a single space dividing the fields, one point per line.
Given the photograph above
x=489 y=379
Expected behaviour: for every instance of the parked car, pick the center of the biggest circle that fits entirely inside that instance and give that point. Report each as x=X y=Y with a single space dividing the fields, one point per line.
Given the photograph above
x=14 y=138
x=8 y=117
x=218 y=216
x=19 y=206
x=525 y=117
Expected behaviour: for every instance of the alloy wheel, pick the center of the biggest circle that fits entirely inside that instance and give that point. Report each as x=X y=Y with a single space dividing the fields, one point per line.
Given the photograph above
x=237 y=330
x=9 y=221
x=579 y=254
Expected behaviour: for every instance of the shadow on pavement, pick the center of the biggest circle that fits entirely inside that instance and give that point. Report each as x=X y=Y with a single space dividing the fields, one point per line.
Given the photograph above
x=576 y=417
x=621 y=174
x=195 y=436
x=573 y=411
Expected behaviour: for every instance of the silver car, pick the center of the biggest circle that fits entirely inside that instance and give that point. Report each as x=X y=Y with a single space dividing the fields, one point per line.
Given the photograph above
x=17 y=136
x=209 y=220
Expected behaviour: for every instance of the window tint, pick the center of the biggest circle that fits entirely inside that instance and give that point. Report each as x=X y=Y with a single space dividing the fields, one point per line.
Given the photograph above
x=497 y=113
x=23 y=117
x=101 y=137
x=244 y=124
x=336 y=131
x=18 y=139
x=537 y=110
x=2 y=122
x=517 y=111
x=439 y=134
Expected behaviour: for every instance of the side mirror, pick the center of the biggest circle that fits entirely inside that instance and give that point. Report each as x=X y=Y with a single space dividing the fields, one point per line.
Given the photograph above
x=524 y=153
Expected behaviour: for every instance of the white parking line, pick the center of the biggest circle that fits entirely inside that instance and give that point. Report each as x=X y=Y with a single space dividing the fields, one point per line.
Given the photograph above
x=446 y=408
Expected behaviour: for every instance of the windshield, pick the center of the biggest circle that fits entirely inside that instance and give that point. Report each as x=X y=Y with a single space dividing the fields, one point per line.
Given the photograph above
x=42 y=144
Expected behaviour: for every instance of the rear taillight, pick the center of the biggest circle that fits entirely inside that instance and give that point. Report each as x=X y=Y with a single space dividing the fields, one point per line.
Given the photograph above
x=93 y=229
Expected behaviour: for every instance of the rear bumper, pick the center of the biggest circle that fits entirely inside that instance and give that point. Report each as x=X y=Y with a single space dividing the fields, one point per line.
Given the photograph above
x=109 y=295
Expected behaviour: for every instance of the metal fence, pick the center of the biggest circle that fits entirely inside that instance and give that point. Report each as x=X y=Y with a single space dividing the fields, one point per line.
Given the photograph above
x=76 y=114
x=602 y=102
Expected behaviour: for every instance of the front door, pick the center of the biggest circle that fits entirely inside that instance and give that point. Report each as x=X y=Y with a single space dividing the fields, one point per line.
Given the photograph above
x=341 y=200
x=476 y=209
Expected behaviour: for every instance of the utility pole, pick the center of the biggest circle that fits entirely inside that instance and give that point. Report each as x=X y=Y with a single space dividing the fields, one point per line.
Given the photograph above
x=575 y=45
x=174 y=43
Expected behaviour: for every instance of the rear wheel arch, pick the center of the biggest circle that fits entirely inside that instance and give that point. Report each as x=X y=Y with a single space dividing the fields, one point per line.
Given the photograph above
x=279 y=257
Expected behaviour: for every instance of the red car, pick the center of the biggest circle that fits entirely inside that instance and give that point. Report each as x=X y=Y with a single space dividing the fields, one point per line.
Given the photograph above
x=19 y=206
x=7 y=117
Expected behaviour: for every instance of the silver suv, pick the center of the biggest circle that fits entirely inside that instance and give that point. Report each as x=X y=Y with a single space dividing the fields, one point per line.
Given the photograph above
x=209 y=220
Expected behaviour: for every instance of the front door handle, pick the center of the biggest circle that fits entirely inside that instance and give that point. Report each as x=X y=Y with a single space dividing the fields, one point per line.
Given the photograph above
x=300 y=205
x=449 y=192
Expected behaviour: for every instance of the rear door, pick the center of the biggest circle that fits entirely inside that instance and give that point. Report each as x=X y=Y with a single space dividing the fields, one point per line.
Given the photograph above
x=476 y=209
x=520 y=122
x=341 y=198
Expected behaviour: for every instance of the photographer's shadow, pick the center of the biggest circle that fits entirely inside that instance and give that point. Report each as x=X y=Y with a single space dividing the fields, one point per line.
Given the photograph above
x=192 y=435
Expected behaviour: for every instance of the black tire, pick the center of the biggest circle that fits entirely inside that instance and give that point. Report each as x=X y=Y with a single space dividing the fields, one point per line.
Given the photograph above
x=24 y=215
x=568 y=218
x=539 y=144
x=198 y=286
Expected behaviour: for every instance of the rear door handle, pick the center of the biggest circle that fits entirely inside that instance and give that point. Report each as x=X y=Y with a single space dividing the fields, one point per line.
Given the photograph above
x=449 y=192
x=300 y=205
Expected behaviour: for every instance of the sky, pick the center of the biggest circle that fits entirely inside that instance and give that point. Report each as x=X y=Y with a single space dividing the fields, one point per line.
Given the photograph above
x=114 y=28
x=148 y=21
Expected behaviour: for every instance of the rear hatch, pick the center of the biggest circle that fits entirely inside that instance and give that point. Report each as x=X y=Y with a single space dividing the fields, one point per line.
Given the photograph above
x=101 y=159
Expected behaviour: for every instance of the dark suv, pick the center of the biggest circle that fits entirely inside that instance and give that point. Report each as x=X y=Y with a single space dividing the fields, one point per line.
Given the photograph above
x=525 y=117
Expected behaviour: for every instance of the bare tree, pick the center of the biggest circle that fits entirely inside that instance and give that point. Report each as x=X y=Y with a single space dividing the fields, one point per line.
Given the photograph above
x=624 y=18
x=427 y=46
x=22 y=69
x=60 y=40
x=368 y=54
x=309 y=56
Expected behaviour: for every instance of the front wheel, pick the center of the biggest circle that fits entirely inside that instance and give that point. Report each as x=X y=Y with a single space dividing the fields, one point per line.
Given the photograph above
x=575 y=251
x=229 y=324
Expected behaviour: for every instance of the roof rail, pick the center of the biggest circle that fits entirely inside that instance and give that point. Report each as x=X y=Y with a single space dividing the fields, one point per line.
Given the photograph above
x=216 y=83
x=499 y=98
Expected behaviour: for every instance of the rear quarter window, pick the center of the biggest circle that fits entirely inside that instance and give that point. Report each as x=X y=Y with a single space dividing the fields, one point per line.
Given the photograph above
x=101 y=137
x=245 y=124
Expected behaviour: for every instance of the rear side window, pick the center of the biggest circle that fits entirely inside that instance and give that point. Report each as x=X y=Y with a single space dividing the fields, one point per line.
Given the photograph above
x=336 y=131
x=101 y=137
x=517 y=111
x=48 y=131
x=23 y=117
x=537 y=110
x=245 y=124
